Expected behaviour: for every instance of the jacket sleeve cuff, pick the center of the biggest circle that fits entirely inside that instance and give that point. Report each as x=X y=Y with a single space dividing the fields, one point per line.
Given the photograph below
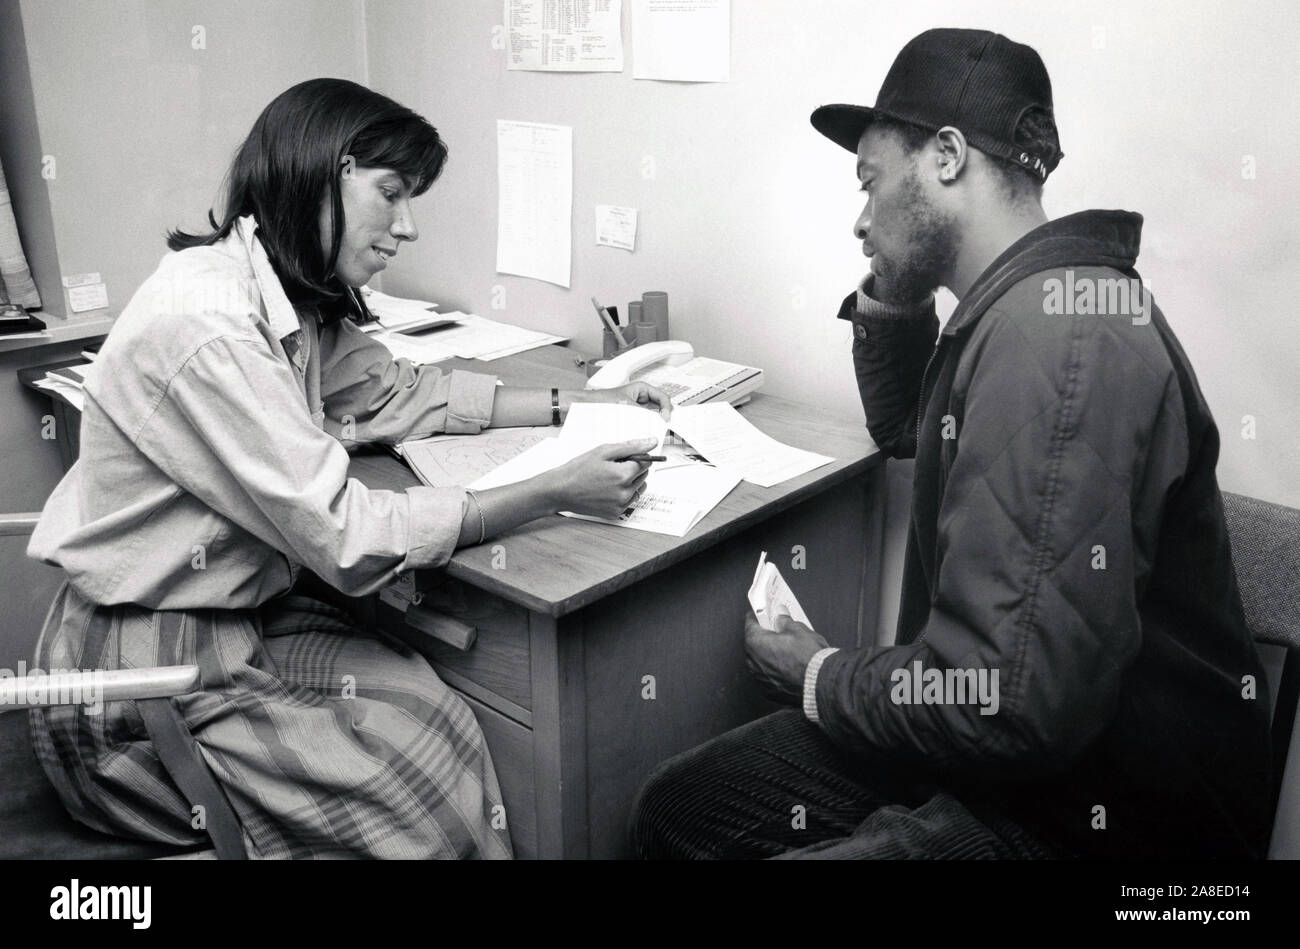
x=434 y=527
x=867 y=306
x=469 y=402
x=810 y=682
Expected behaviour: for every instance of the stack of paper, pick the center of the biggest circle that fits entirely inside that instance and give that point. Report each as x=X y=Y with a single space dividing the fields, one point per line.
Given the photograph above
x=678 y=493
x=474 y=337
x=675 y=499
x=401 y=315
x=587 y=426
x=68 y=382
x=722 y=435
x=470 y=337
x=449 y=460
x=420 y=349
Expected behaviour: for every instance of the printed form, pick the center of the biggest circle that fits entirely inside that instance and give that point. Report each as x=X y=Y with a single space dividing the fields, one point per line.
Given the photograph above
x=682 y=40
x=722 y=435
x=565 y=35
x=677 y=495
x=535 y=200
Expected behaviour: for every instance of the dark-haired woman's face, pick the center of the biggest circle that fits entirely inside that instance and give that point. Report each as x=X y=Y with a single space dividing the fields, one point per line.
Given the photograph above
x=376 y=219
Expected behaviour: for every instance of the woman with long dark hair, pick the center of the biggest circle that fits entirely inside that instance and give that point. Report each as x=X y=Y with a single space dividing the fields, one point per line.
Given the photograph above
x=213 y=479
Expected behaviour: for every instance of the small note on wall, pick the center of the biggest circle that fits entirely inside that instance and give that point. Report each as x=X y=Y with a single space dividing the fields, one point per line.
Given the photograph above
x=615 y=226
x=91 y=296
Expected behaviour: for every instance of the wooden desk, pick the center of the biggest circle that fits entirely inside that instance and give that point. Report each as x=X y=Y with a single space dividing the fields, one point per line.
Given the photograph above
x=602 y=651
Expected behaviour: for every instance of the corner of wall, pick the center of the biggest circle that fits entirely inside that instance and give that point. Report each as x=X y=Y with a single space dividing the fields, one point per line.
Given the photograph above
x=21 y=155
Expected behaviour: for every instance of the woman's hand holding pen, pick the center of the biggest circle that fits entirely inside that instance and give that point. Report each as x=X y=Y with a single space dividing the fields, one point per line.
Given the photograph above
x=601 y=482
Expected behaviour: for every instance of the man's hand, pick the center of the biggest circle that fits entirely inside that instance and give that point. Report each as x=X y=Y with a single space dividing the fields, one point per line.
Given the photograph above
x=779 y=659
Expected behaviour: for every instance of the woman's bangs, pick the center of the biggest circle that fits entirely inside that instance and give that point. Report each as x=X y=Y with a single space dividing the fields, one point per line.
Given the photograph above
x=411 y=148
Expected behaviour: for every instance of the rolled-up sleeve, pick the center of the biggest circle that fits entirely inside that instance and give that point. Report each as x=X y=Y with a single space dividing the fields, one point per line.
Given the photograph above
x=371 y=397
x=232 y=429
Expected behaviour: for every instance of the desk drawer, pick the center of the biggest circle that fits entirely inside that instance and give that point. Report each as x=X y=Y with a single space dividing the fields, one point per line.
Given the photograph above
x=511 y=747
x=498 y=661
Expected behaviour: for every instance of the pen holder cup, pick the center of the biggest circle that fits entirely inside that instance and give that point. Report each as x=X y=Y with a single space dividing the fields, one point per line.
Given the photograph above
x=609 y=345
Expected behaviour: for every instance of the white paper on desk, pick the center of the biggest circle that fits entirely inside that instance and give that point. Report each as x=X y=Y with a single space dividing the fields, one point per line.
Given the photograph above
x=398 y=314
x=65 y=387
x=565 y=35
x=445 y=461
x=534 y=200
x=722 y=435
x=591 y=424
x=419 y=349
x=616 y=227
x=681 y=40
x=543 y=456
x=675 y=499
x=475 y=337
x=587 y=426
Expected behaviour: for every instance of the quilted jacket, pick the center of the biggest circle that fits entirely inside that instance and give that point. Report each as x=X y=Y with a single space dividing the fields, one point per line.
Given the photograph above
x=1066 y=531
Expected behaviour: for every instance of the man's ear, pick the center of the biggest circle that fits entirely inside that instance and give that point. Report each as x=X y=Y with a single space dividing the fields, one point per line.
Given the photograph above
x=952 y=153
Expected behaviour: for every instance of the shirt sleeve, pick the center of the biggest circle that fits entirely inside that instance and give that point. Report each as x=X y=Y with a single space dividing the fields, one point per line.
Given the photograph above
x=231 y=428
x=371 y=397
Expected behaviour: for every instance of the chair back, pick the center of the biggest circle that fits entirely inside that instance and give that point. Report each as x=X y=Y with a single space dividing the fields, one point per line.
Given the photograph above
x=1265 y=541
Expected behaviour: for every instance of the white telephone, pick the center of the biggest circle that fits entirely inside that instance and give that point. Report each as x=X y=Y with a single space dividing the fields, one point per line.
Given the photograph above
x=672 y=366
x=620 y=370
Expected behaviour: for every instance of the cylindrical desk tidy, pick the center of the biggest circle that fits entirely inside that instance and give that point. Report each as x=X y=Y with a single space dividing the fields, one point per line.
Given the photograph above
x=654 y=309
x=634 y=314
x=611 y=347
x=646 y=332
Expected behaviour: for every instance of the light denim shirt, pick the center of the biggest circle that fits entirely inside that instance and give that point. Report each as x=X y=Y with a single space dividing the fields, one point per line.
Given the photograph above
x=212 y=461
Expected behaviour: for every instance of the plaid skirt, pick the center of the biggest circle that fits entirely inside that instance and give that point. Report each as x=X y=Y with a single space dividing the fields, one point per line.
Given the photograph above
x=327 y=742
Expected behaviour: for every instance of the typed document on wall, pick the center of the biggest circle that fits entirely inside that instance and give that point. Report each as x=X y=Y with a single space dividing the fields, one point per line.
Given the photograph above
x=565 y=35
x=535 y=200
x=681 y=40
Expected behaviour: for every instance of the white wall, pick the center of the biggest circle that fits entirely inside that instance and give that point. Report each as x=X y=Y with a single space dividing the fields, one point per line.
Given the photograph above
x=142 y=125
x=747 y=222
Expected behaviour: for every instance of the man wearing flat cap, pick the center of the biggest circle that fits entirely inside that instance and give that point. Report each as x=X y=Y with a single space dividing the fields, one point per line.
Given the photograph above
x=1072 y=674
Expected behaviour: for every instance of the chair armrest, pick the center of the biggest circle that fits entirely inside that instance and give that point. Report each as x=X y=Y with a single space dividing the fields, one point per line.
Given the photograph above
x=92 y=688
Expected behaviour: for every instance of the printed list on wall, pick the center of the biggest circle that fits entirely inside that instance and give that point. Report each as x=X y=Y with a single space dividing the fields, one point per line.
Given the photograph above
x=565 y=35
x=534 y=200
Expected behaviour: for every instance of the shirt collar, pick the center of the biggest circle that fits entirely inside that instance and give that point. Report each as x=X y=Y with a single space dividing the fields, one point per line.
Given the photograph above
x=279 y=311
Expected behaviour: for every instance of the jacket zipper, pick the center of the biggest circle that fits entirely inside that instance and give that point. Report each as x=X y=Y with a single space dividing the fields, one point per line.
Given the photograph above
x=920 y=402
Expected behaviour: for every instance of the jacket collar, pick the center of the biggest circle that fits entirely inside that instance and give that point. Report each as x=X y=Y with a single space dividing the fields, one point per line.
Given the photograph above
x=1086 y=238
x=279 y=311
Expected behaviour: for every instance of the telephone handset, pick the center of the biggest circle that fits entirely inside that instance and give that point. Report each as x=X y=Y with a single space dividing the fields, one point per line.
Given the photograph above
x=620 y=370
x=686 y=379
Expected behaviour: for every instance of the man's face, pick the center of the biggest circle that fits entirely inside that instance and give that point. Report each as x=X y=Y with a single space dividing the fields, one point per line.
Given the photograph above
x=910 y=240
x=376 y=219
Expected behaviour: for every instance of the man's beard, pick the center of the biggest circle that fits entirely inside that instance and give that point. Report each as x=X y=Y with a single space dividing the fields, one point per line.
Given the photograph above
x=930 y=251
